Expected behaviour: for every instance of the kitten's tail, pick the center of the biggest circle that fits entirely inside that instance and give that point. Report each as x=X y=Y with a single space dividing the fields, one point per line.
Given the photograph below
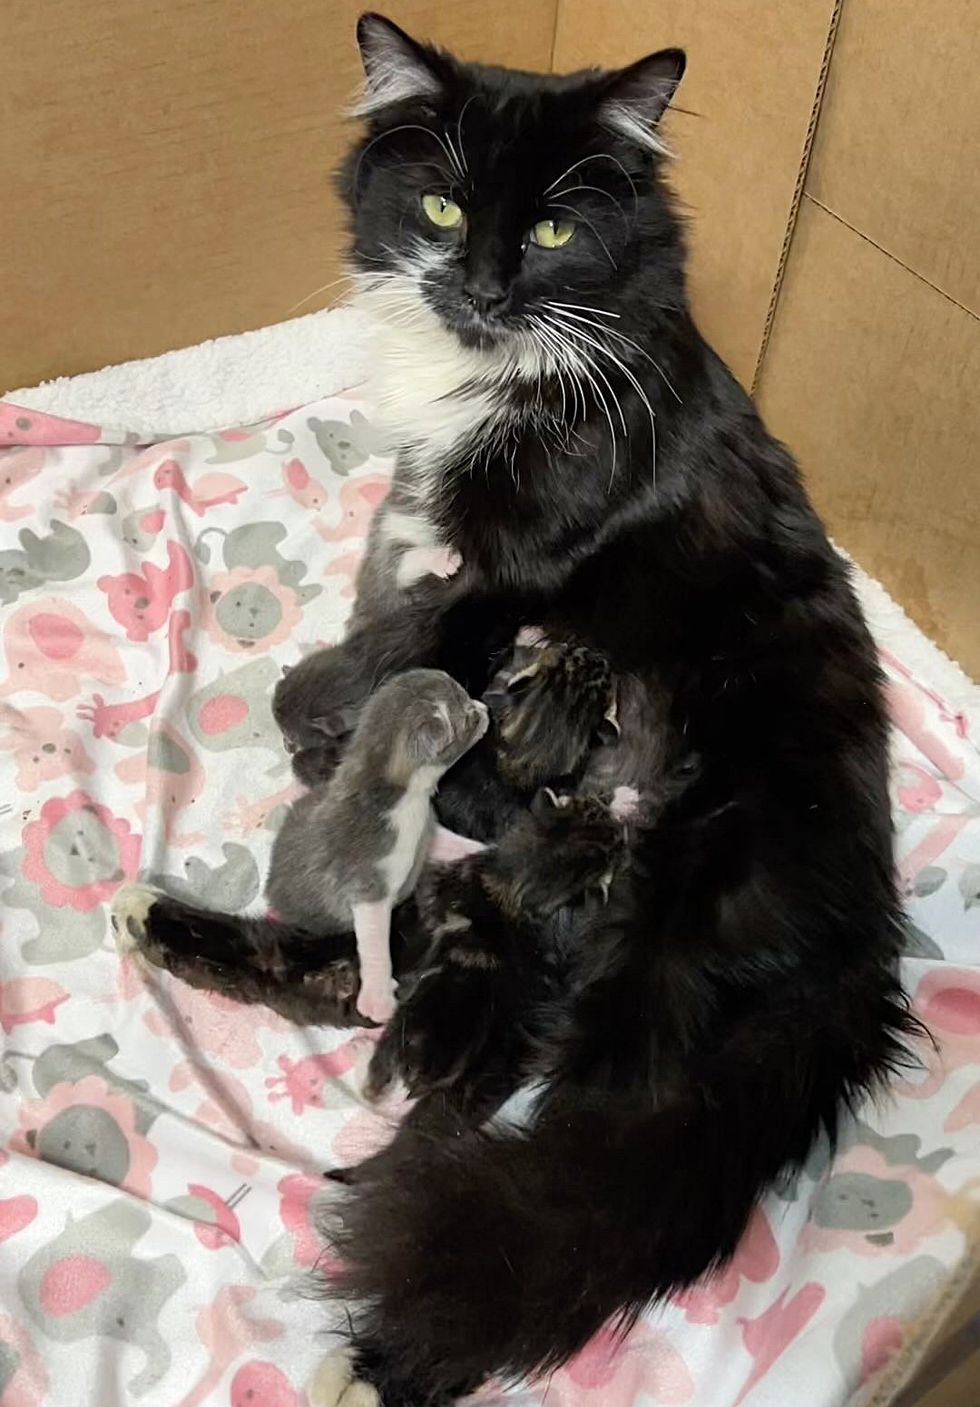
x=309 y=978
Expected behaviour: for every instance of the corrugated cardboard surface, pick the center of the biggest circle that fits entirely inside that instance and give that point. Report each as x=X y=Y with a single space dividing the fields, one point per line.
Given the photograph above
x=896 y=152
x=165 y=164
x=871 y=376
x=752 y=75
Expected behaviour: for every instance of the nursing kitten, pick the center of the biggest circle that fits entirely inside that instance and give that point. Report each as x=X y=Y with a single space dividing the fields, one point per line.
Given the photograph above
x=352 y=849
x=349 y=851
x=501 y=968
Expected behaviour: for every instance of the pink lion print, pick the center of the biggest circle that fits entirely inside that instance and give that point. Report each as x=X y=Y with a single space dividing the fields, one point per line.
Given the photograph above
x=304 y=1082
x=141 y=602
x=757 y=1259
x=42 y=747
x=51 y=648
x=226 y=1332
x=948 y=1001
x=26 y=1000
x=250 y=610
x=358 y=502
x=208 y=491
x=17 y=468
x=88 y=1128
x=78 y=852
x=612 y=1369
x=214 y=1024
x=110 y=720
x=23 y=1381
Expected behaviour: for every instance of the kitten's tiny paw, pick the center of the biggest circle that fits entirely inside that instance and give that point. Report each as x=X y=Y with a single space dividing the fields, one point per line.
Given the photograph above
x=377 y=1005
x=130 y=910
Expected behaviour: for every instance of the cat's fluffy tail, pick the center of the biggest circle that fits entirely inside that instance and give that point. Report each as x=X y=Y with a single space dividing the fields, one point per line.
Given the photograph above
x=468 y=1255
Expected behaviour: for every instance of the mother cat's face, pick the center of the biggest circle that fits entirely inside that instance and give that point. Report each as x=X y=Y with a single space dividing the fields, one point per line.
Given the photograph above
x=510 y=205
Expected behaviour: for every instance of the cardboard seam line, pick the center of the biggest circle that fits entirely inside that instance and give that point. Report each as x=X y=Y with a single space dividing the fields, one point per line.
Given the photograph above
x=794 y=209
x=889 y=255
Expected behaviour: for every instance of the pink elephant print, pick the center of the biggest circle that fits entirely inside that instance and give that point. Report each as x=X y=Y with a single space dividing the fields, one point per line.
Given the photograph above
x=51 y=648
x=756 y=1260
x=141 y=602
x=226 y=1332
x=611 y=1368
x=87 y=1283
x=948 y=1001
x=17 y=468
x=872 y=1331
x=42 y=747
x=20 y=426
x=359 y=500
x=261 y=1384
x=25 y=1000
x=23 y=1380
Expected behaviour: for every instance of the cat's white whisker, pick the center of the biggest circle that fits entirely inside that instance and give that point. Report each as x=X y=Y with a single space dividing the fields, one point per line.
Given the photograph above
x=598 y=156
x=572 y=190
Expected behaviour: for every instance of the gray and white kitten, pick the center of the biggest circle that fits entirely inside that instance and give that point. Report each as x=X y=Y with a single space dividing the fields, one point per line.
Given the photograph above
x=352 y=849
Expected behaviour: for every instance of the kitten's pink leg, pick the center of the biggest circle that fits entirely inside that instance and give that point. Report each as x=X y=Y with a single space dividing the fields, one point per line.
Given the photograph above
x=372 y=929
x=446 y=846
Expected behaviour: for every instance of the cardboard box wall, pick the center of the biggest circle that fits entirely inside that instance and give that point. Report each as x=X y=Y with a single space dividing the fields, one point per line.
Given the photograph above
x=166 y=175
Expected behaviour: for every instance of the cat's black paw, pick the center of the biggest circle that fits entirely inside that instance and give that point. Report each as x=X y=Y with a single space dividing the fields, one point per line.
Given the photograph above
x=551 y=713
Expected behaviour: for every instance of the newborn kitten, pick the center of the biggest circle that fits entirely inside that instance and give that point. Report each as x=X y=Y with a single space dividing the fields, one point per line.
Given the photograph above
x=467 y=1025
x=352 y=849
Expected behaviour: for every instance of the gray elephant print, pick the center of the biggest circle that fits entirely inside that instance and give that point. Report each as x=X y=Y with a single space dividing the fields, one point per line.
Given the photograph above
x=87 y=1284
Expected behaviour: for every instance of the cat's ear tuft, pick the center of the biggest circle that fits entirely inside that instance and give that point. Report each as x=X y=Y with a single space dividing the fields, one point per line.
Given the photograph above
x=635 y=99
x=397 y=69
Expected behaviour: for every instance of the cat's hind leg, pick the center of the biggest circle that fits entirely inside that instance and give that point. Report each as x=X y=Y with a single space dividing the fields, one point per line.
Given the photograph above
x=309 y=978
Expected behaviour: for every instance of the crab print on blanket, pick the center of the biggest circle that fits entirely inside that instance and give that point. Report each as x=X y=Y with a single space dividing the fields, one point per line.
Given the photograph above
x=162 y=1149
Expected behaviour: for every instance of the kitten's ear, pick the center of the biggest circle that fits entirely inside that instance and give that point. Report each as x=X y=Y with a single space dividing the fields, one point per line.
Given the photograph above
x=635 y=99
x=337 y=723
x=396 y=67
x=545 y=803
x=431 y=739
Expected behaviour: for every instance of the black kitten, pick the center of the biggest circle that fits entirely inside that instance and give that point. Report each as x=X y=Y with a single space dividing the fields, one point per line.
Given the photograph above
x=466 y=1025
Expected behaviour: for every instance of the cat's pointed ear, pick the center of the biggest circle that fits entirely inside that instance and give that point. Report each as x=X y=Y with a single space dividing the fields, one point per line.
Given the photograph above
x=635 y=99
x=397 y=69
x=431 y=740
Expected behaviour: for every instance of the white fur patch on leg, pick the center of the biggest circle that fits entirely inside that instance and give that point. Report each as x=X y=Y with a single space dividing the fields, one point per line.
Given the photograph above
x=360 y=1394
x=130 y=909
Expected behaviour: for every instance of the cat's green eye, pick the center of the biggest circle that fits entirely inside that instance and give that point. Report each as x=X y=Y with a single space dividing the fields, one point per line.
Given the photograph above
x=442 y=211
x=552 y=234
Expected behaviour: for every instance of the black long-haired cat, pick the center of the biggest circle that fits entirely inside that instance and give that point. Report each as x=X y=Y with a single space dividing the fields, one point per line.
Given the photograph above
x=563 y=427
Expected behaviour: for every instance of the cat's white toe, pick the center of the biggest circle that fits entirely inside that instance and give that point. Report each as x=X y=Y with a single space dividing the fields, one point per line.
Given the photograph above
x=332 y=1380
x=130 y=908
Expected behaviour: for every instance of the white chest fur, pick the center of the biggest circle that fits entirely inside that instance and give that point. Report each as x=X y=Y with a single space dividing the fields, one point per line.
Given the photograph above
x=412 y=821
